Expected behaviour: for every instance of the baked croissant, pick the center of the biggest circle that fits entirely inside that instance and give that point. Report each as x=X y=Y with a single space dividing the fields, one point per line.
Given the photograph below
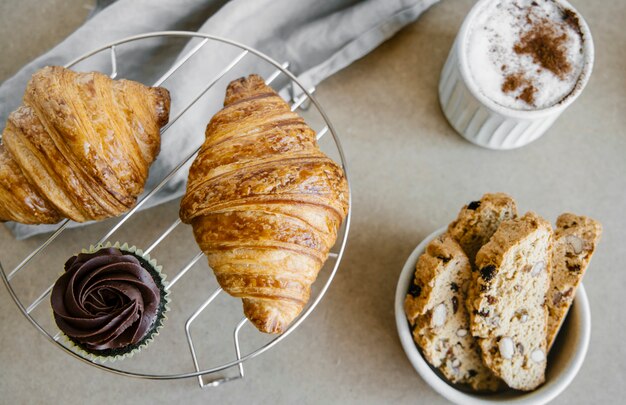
x=79 y=147
x=265 y=203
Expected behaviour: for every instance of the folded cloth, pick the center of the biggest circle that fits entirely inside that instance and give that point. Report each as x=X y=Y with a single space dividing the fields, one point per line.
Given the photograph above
x=317 y=38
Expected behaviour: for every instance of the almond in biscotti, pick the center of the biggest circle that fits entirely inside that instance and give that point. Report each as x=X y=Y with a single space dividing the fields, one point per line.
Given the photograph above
x=434 y=307
x=514 y=267
x=575 y=240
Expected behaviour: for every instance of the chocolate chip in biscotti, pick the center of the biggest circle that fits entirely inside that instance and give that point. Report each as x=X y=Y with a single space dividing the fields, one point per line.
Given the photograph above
x=473 y=205
x=573 y=267
x=454 y=287
x=455 y=304
x=488 y=272
x=444 y=259
x=484 y=313
x=415 y=290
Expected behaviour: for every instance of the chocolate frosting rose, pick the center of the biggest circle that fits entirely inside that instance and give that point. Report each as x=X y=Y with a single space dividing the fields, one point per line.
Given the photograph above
x=106 y=300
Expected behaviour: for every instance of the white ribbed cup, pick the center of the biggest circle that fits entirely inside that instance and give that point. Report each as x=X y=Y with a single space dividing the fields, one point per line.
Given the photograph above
x=481 y=120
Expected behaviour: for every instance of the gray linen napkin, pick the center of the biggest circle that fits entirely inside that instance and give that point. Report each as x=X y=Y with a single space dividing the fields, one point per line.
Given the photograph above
x=317 y=38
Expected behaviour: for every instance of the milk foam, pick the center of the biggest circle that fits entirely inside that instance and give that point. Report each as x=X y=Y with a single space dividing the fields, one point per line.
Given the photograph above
x=492 y=58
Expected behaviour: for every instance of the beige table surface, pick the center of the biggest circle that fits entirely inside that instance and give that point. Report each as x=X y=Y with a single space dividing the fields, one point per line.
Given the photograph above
x=410 y=174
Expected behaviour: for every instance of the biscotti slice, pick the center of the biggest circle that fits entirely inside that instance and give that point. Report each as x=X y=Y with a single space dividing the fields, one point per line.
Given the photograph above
x=434 y=307
x=475 y=225
x=478 y=220
x=575 y=241
x=436 y=259
x=510 y=317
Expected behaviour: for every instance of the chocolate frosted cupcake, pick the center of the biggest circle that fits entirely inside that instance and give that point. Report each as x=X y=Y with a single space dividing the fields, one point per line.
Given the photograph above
x=110 y=301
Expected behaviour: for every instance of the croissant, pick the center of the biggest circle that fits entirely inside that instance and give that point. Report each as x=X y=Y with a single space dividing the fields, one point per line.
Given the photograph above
x=265 y=203
x=79 y=147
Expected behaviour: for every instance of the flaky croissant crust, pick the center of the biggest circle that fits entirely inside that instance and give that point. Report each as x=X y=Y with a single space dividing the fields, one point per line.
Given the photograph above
x=264 y=202
x=79 y=147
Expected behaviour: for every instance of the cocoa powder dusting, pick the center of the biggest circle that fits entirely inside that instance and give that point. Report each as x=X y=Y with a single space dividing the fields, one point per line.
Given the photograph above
x=546 y=47
x=528 y=95
x=570 y=17
x=514 y=81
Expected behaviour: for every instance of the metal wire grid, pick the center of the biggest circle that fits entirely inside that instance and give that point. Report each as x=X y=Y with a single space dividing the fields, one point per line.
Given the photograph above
x=281 y=69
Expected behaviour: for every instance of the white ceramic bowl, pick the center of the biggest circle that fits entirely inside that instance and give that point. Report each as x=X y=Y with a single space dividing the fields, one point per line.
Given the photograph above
x=564 y=360
x=481 y=120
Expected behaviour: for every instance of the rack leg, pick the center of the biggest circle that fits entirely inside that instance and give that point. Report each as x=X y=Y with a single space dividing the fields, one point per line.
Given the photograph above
x=113 y=74
x=219 y=381
x=192 y=318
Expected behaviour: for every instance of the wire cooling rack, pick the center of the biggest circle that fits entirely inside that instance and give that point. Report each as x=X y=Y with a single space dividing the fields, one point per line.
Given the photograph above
x=207 y=376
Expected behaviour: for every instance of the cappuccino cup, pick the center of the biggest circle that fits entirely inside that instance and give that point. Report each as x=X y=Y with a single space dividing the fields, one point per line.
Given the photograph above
x=514 y=67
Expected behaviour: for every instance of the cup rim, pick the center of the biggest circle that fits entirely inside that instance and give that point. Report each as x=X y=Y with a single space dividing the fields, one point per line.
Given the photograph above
x=461 y=43
x=547 y=392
